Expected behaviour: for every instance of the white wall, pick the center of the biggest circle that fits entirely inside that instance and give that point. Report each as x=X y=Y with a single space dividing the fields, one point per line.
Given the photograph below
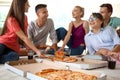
x=60 y=10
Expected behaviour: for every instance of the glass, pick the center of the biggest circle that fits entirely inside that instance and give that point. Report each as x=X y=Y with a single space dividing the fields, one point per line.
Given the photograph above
x=30 y=54
x=91 y=19
x=111 y=63
x=67 y=51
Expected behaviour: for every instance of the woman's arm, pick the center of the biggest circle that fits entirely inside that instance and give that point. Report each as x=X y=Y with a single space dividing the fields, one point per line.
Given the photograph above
x=23 y=37
x=67 y=37
x=86 y=27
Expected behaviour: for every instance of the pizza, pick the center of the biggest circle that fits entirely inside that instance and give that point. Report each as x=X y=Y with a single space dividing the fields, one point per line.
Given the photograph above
x=69 y=59
x=65 y=59
x=59 y=54
x=54 y=74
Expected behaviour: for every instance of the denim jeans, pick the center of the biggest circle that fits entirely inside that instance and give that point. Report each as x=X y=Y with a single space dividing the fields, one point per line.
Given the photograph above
x=6 y=54
x=61 y=33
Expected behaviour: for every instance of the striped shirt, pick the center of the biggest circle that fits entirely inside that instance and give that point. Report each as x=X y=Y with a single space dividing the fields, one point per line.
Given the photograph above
x=38 y=35
x=106 y=38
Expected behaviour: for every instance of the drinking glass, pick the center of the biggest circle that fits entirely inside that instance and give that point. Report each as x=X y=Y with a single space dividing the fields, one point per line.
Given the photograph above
x=67 y=51
x=30 y=54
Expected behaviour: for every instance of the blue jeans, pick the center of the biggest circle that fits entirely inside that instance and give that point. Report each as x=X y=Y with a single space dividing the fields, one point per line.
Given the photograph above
x=6 y=54
x=61 y=33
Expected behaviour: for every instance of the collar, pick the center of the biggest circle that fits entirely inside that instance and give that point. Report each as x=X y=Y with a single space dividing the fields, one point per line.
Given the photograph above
x=91 y=32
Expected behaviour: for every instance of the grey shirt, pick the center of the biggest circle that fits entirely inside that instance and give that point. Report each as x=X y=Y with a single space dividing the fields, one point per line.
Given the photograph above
x=39 y=35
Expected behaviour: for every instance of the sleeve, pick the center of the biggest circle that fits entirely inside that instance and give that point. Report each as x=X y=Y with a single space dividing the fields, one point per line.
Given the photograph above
x=29 y=31
x=89 y=46
x=53 y=35
x=114 y=22
x=114 y=35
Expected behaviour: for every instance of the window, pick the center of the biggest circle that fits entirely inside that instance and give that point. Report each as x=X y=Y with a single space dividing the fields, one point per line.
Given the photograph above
x=3 y=13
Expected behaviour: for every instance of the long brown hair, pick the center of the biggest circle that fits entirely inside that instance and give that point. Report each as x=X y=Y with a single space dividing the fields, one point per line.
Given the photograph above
x=16 y=10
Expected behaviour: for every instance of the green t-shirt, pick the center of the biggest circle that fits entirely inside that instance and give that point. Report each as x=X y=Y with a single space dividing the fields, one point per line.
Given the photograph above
x=114 y=22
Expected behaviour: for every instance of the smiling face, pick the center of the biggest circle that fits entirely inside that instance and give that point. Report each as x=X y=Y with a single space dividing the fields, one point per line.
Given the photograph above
x=27 y=6
x=77 y=12
x=105 y=13
x=95 y=22
x=42 y=13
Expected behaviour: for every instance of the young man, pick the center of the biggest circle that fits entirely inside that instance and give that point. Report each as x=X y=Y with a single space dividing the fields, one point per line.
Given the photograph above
x=39 y=29
x=106 y=11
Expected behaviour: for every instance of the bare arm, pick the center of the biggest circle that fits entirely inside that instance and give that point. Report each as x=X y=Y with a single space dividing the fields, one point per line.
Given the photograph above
x=86 y=27
x=23 y=37
x=67 y=37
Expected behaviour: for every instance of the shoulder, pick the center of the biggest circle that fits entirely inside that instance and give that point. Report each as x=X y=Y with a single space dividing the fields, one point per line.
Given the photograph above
x=114 y=19
x=71 y=24
x=49 y=20
x=85 y=23
x=88 y=34
x=32 y=22
x=12 y=21
x=109 y=29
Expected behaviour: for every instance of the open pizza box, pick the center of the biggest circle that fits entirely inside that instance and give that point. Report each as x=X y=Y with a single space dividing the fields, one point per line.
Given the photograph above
x=28 y=68
x=86 y=63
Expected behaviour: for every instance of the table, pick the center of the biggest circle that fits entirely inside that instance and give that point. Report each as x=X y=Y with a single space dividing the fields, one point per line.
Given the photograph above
x=111 y=74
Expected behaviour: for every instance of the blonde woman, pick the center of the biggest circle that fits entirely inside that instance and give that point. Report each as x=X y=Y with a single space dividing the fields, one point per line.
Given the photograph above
x=74 y=37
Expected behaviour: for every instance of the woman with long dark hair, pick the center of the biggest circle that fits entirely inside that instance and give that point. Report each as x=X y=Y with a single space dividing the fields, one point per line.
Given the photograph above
x=14 y=32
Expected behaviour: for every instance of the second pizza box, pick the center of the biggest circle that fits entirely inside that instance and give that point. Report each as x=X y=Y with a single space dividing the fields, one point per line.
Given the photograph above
x=86 y=63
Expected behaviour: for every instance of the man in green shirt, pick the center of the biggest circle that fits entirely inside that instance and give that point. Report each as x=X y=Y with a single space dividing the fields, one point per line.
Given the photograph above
x=106 y=11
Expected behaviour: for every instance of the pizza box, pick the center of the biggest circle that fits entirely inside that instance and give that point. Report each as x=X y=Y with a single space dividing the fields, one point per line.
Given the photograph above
x=23 y=66
x=28 y=68
x=11 y=65
x=86 y=63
